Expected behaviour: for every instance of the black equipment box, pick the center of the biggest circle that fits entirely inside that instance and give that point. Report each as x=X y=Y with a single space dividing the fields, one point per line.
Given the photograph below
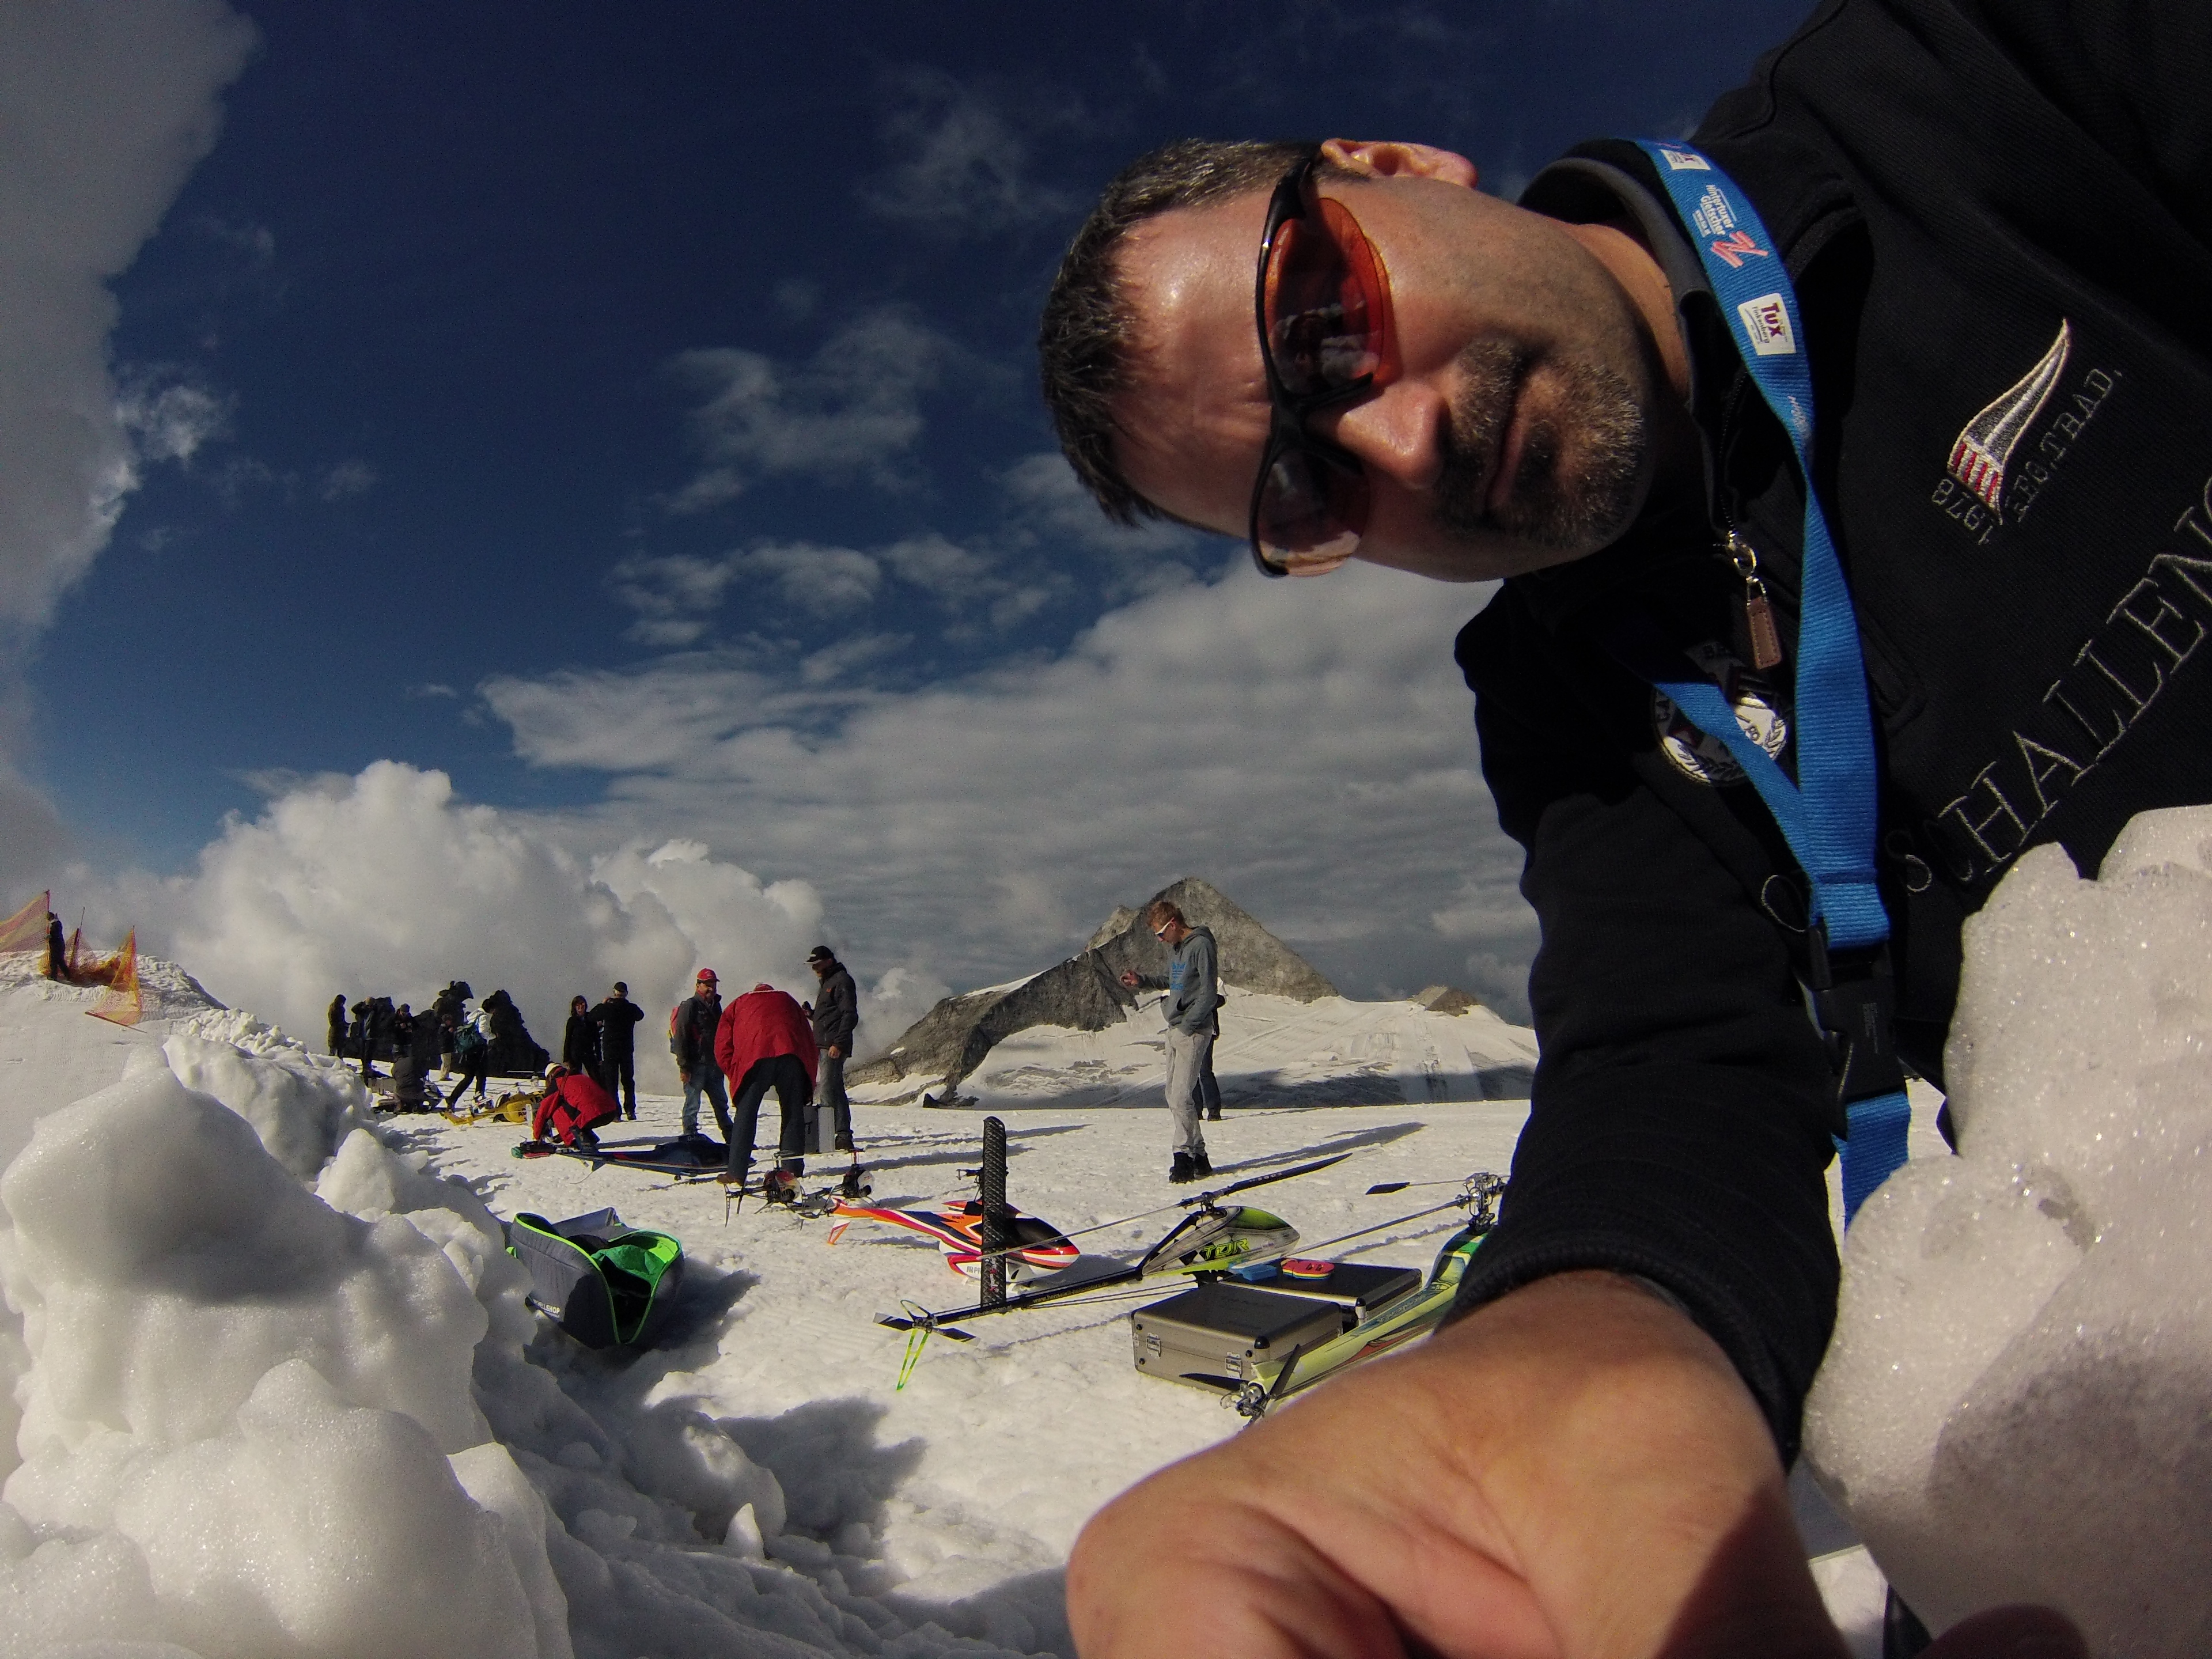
x=1216 y=1335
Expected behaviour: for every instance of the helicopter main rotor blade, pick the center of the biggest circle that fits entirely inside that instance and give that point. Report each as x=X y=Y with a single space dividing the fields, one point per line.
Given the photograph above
x=1251 y=1182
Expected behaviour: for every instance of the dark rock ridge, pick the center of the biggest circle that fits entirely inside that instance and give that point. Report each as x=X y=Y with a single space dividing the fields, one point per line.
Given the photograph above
x=1084 y=993
x=1447 y=1000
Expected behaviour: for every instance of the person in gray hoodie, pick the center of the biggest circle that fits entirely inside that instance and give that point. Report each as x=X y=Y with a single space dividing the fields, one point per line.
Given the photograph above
x=1193 y=988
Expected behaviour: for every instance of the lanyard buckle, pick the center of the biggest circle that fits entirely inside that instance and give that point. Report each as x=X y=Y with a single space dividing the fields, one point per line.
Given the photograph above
x=1854 y=997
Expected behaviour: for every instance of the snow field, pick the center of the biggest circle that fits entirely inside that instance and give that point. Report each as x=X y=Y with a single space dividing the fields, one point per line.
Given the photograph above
x=281 y=1394
x=2012 y=1408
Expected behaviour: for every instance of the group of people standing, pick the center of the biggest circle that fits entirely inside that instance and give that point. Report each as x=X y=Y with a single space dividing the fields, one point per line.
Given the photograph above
x=450 y=1033
x=600 y=1041
x=764 y=1040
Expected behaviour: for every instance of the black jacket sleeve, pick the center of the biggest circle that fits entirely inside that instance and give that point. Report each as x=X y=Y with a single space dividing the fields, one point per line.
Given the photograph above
x=1679 y=1129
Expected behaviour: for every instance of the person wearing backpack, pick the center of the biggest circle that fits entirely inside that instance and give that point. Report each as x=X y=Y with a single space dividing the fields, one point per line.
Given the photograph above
x=472 y=1054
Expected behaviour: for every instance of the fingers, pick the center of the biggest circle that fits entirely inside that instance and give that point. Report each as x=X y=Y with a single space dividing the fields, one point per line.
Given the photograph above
x=1574 y=1470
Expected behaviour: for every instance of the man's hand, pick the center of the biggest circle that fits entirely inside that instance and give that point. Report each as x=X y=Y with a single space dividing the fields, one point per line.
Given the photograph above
x=683 y=1077
x=1574 y=1470
x=833 y=1052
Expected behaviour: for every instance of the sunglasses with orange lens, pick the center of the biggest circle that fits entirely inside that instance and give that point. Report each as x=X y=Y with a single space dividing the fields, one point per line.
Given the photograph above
x=1323 y=306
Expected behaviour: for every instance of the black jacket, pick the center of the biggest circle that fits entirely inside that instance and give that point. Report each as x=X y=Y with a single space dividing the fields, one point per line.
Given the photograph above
x=698 y=1019
x=617 y=1019
x=1964 y=196
x=580 y=1043
x=836 y=1010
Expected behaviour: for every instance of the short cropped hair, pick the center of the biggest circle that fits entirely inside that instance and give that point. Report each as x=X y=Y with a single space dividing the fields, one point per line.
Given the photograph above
x=1162 y=911
x=1085 y=339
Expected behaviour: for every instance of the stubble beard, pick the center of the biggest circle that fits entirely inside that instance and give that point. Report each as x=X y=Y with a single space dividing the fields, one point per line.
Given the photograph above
x=1581 y=461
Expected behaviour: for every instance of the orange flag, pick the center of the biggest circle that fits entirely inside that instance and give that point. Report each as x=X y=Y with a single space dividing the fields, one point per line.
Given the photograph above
x=26 y=929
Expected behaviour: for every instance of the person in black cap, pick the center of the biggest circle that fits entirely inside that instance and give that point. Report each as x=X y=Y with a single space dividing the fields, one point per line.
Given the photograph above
x=836 y=1013
x=617 y=1019
x=56 y=949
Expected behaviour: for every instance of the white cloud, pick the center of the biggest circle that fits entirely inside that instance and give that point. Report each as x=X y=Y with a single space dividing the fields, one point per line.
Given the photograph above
x=169 y=422
x=1309 y=746
x=385 y=884
x=808 y=577
x=961 y=166
x=854 y=651
x=674 y=595
x=343 y=480
x=104 y=110
x=679 y=597
x=853 y=410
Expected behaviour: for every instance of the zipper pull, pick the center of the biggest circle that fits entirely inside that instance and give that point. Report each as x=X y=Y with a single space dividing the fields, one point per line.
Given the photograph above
x=1758 y=614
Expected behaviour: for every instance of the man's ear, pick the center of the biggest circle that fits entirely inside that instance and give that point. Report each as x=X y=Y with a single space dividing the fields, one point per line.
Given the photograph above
x=1390 y=158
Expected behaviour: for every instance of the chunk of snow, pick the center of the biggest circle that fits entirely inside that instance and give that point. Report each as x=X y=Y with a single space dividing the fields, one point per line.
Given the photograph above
x=2013 y=1406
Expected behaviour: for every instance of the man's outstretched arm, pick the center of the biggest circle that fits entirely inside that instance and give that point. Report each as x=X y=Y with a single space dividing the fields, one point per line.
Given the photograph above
x=1575 y=1470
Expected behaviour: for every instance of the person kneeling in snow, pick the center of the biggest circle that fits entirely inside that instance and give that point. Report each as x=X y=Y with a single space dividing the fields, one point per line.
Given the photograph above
x=571 y=1106
x=766 y=1041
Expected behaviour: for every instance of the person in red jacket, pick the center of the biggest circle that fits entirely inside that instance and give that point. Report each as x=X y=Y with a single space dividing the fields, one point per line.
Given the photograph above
x=571 y=1106
x=765 y=1041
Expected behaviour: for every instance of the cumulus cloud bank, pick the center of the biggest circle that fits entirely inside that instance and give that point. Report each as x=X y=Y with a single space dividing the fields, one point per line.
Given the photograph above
x=1308 y=746
x=385 y=884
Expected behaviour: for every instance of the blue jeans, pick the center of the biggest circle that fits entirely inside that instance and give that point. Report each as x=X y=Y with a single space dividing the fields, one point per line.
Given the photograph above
x=707 y=1079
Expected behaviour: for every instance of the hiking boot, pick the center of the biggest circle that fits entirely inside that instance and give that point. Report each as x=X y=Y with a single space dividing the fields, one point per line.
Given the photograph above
x=1213 y=1115
x=844 y=1143
x=1183 y=1171
x=1201 y=1168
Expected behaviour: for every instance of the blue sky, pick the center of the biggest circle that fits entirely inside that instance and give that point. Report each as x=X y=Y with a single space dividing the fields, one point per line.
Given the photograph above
x=629 y=412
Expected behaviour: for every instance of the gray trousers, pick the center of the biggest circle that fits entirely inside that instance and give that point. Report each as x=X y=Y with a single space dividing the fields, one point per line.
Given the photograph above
x=830 y=1096
x=1187 y=1054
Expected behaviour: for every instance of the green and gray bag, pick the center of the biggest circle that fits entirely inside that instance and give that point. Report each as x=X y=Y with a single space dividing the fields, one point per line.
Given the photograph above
x=606 y=1284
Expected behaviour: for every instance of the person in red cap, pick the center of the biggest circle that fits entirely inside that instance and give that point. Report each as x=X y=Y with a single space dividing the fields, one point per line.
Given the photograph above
x=766 y=1041
x=698 y=1019
x=571 y=1108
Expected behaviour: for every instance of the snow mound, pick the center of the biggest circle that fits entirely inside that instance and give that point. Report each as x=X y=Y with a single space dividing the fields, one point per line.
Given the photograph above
x=2013 y=1406
x=276 y=1397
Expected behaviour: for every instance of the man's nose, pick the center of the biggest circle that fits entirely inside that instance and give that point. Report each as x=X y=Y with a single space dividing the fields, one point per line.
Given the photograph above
x=1393 y=433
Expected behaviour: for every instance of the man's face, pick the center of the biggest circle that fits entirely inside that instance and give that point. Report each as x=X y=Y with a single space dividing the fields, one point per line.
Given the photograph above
x=1518 y=435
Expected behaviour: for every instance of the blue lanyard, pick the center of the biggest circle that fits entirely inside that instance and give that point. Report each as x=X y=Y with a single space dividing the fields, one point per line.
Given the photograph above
x=1828 y=815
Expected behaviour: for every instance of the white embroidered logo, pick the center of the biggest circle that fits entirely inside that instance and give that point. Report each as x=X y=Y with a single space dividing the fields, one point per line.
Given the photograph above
x=1766 y=325
x=1984 y=448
